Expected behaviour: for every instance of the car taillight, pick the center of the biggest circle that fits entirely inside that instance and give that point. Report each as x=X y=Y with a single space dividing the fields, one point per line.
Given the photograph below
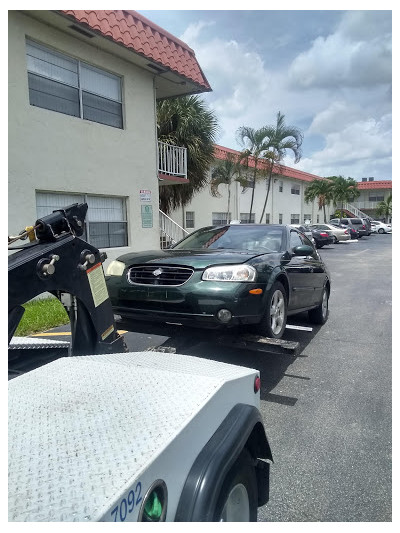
x=324 y=234
x=363 y=226
x=346 y=232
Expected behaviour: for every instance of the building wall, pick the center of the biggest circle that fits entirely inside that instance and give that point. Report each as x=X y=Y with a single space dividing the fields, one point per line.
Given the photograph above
x=364 y=202
x=285 y=203
x=50 y=151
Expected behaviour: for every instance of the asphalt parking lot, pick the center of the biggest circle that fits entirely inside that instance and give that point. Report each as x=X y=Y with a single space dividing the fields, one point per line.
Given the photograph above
x=327 y=411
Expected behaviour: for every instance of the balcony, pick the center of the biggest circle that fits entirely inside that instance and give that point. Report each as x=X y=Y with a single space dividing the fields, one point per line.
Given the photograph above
x=172 y=164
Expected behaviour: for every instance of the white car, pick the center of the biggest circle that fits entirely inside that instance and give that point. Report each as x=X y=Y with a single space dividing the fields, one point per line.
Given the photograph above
x=380 y=227
x=339 y=234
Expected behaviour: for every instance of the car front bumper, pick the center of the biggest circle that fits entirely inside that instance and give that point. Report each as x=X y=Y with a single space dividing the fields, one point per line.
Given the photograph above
x=195 y=303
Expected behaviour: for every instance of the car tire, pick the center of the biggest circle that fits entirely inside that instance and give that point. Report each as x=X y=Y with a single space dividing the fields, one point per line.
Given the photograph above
x=238 y=499
x=273 y=322
x=320 y=314
x=381 y=230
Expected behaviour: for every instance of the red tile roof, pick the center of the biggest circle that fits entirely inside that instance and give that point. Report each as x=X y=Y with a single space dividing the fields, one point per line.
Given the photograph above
x=382 y=184
x=139 y=34
x=221 y=153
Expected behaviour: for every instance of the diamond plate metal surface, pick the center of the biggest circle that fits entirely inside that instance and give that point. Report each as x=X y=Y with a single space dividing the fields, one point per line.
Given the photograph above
x=17 y=343
x=81 y=428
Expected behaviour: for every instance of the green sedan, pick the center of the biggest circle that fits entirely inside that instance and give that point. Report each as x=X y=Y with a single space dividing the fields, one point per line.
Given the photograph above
x=251 y=275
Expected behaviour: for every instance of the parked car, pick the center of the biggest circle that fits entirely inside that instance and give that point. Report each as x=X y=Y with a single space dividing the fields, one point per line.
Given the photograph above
x=380 y=227
x=367 y=222
x=305 y=230
x=339 y=234
x=356 y=223
x=322 y=237
x=251 y=275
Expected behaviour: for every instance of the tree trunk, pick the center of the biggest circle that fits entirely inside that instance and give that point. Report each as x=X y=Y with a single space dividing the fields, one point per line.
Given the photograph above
x=266 y=197
x=252 y=193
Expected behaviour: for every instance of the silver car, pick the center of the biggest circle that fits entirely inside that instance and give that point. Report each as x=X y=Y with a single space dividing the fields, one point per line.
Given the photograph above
x=339 y=234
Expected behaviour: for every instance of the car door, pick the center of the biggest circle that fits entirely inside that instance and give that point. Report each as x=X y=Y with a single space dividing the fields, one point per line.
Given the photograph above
x=299 y=271
x=317 y=277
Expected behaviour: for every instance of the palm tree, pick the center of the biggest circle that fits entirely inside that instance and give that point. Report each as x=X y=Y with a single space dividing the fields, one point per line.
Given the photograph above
x=225 y=172
x=279 y=139
x=322 y=190
x=343 y=189
x=254 y=148
x=186 y=121
x=384 y=208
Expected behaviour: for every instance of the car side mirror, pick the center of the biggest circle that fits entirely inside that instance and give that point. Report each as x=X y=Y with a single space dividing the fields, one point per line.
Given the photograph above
x=304 y=249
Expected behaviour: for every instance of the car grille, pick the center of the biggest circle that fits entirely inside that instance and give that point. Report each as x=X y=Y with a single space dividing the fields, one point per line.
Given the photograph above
x=159 y=275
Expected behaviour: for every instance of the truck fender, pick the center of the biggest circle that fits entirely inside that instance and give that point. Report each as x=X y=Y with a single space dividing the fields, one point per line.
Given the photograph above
x=241 y=428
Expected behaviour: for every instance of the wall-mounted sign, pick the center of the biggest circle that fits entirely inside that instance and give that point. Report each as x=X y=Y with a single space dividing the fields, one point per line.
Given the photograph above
x=147 y=216
x=145 y=195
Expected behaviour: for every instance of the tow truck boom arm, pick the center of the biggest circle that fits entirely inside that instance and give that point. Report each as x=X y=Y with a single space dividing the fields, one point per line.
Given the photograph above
x=59 y=261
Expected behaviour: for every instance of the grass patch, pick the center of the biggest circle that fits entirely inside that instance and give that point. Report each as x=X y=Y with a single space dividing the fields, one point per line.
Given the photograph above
x=41 y=315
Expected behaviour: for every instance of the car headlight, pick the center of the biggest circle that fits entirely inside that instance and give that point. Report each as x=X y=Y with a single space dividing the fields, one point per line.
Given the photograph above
x=115 y=268
x=230 y=273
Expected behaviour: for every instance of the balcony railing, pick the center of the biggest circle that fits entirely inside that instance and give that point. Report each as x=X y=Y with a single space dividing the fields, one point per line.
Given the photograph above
x=172 y=160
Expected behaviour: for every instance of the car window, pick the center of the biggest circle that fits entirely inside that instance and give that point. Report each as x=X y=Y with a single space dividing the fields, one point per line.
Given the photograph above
x=345 y=221
x=295 y=239
x=256 y=238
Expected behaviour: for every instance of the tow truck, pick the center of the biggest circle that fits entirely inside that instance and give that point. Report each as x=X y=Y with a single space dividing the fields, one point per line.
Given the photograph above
x=103 y=434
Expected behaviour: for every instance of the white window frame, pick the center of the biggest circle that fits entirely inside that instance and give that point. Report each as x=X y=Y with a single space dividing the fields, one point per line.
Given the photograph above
x=81 y=90
x=71 y=198
x=280 y=218
x=189 y=220
x=219 y=218
x=295 y=189
x=295 y=218
x=244 y=217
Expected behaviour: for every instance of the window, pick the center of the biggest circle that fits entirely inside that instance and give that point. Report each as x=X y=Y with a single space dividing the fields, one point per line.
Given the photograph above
x=280 y=218
x=105 y=225
x=244 y=218
x=218 y=219
x=281 y=186
x=267 y=218
x=376 y=198
x=295 y=189
x=317 y=219
x=65 y=85
x=307 y=219
x=189 y=219
x=295 y=239
x=295 y=219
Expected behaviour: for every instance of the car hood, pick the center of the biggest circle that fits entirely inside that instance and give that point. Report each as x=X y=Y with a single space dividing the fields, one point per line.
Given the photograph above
x=197 y=259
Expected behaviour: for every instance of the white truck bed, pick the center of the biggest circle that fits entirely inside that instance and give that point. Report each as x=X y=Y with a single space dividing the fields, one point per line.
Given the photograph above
x=85 y=433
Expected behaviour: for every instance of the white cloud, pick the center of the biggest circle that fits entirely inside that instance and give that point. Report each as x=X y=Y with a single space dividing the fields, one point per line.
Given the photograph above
x=358 y=54
x=337 y=90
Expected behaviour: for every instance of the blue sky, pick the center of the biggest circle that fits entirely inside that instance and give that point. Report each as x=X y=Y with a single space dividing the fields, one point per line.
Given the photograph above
x=329 y=73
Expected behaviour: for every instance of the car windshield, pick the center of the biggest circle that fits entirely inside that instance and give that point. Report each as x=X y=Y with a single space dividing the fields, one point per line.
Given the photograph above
x=243 y=238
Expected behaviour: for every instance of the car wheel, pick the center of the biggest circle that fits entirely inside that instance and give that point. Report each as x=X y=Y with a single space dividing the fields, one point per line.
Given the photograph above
x=320 y=314
x=381 y=230
x=238 y=498
x=273 y=322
